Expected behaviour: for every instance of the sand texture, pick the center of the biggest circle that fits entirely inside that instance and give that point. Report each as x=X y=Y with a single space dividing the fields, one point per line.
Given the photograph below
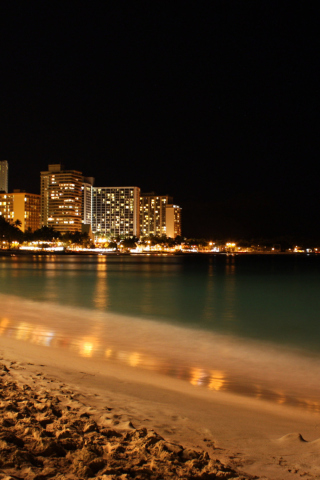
x=47 y=432
x=63 y=416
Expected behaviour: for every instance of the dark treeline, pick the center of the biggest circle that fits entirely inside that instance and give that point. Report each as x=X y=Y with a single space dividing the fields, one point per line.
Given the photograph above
x=10 y=232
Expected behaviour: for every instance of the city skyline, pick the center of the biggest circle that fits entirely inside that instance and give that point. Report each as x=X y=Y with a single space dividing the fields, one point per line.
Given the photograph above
x=69 y=200
x=216 y=104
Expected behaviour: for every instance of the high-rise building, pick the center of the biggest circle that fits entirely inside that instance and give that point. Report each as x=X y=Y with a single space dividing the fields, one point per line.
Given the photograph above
x=61 y=198
x=115 y=211
x=6 y=206
x=158 y=215
x=21 y=206
x=4 y=171
x=153 y=214
x=173 y=220
x=86 y=200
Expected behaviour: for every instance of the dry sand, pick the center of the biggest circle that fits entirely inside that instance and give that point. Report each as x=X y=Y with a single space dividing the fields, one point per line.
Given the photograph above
x=67 y=417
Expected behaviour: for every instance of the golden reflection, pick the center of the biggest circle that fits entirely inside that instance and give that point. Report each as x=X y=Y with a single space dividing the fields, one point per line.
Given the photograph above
x=108 y=353
x=88 y=346
x=28 y=332
x=51 y=270
x=213 y=380
x=24 y=331
x=101 y=294
x=197 y=376
x=217 y=380
x=41 y=336
x=4 y=325
x=86 y=349
x=134 y=359
x=131 y=358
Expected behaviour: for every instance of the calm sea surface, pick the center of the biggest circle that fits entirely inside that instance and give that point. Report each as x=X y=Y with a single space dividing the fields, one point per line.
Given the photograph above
x=265 y=300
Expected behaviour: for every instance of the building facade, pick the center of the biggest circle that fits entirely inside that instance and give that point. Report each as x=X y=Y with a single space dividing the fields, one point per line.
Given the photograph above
x=173 y=220
x=115 y=211
x=153 y=214
x=4 y=173
x=86 y=200
x=61 y=198
x=21 y=206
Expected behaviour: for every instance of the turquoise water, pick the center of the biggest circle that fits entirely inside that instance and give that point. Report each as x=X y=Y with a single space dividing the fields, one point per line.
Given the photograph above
x=248 y=325
x=269 y=298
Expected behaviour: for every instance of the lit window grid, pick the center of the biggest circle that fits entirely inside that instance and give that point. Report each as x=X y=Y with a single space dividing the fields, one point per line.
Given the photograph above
x=61 y=200
x=115 y=210
x=153 y=214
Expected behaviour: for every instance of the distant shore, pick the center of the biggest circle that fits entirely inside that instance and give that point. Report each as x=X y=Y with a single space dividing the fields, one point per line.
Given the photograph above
x=15 y=252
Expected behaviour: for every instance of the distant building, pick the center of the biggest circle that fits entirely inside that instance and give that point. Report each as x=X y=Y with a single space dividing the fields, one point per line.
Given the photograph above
x=153 y=214
x=21 y=206
x=173 y=221
x=6 y=206
x=4 y=172
x=61 y=198
x=86 y=200
x=115 y=211
x=158 y=216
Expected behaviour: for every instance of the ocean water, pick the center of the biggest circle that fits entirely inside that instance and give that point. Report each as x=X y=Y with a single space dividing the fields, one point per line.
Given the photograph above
x=239 y=323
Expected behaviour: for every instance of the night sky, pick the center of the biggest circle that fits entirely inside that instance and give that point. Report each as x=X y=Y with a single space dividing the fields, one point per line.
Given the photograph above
x=216 y=103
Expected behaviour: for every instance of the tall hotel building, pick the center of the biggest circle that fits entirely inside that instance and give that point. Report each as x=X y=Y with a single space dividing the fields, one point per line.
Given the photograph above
x=86 y=200
x=4 y=168
x=21 y=206
x=173 y=220
x=61 y=198
x=158 y=216
x=115 y=211
x=153 y=214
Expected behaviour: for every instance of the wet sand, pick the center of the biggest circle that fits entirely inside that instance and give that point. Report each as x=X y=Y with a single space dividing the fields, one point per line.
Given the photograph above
x=64 y=416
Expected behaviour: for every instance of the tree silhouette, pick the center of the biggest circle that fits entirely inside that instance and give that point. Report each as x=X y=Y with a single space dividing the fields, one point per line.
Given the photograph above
x=9 y=232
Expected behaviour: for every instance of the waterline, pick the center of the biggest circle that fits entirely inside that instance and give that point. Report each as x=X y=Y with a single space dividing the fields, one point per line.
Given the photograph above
x=212 y=361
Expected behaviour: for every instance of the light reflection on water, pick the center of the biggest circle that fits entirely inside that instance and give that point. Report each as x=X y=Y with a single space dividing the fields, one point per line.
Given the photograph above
x=100 y=298
x=260 y=298
x=269 y=299
x=92 y=346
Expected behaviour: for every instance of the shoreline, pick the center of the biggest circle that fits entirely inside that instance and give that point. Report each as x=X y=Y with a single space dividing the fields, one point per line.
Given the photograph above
x=251 y=437
x=17 y=252
x=216 y=362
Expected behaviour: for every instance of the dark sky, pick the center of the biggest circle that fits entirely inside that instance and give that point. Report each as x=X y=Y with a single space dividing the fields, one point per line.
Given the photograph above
x=216 y=103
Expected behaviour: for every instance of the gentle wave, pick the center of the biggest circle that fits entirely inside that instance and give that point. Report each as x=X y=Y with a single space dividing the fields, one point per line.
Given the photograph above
x=208 y=360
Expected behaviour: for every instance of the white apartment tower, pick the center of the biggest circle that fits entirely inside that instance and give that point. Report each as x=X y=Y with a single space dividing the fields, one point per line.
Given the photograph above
x=61 y=198
x=4 y=170
x=115 y=211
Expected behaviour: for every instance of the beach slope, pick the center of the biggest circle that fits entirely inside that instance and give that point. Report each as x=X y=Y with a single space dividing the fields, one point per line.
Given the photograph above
x=65 y=417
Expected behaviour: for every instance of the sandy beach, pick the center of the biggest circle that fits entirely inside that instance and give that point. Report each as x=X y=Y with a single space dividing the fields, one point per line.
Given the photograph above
x=65 y=416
